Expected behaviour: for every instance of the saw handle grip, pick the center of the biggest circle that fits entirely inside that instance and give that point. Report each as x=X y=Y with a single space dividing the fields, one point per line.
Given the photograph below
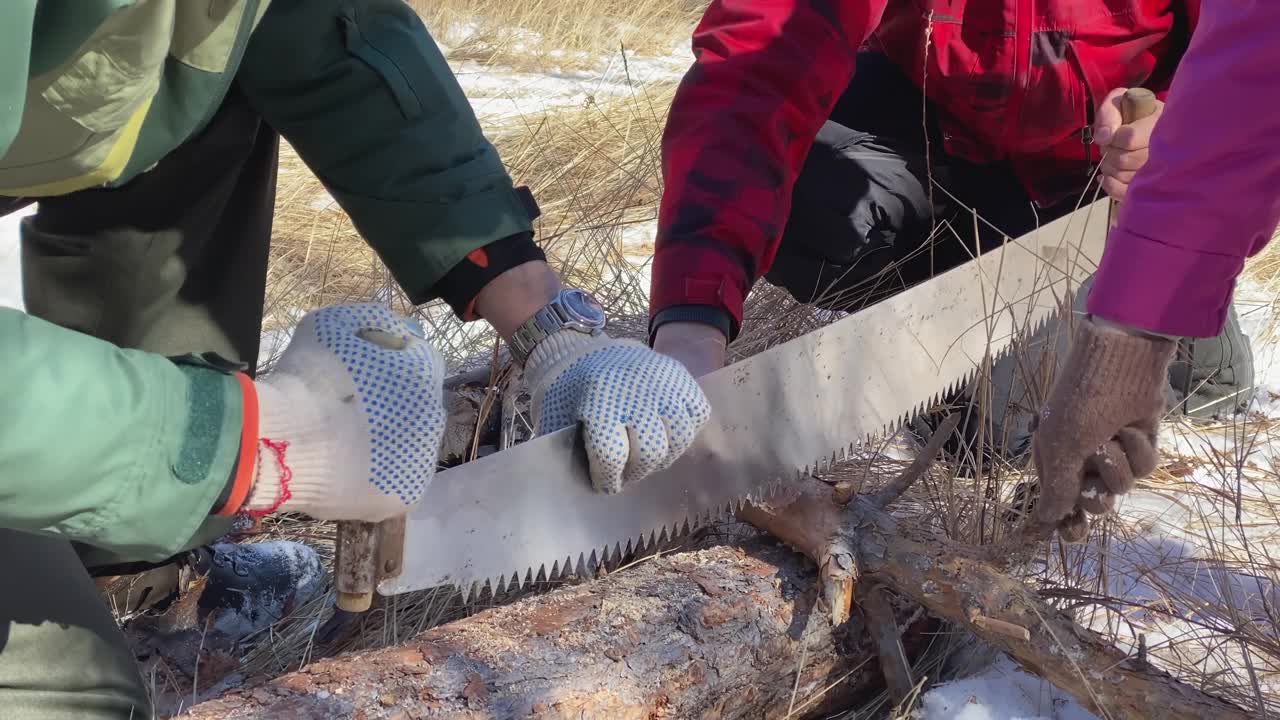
x=366 y=553
x=1135 y=104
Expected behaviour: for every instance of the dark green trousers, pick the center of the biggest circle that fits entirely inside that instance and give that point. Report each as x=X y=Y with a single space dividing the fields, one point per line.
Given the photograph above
x=174 y=262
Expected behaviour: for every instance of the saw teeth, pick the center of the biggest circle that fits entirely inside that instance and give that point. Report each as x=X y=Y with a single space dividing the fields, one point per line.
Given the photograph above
x=473 y=592
x=614 y=552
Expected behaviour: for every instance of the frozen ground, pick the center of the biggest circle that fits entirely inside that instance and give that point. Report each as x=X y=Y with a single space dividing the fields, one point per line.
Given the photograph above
x=1003 y=692
x=498 y=94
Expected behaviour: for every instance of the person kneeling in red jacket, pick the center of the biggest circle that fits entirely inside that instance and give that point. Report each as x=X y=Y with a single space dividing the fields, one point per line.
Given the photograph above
x=840 y=148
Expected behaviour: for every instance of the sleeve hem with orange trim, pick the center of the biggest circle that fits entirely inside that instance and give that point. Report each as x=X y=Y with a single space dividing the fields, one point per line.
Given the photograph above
x=232 y=499
x=460 y=286
x=121 y=450
x=373 y=108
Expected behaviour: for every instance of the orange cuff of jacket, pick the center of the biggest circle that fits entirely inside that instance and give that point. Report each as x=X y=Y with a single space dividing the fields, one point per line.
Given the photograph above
x=247 y=466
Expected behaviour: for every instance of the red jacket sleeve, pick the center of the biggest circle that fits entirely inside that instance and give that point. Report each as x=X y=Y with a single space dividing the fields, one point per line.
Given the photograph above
x=766 y=76
x=1206 y=199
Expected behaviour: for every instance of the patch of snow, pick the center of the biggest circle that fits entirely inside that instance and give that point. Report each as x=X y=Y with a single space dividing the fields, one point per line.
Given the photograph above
x=10 y=267
x=1002 y=692
x=273 y=343
x=498 y=92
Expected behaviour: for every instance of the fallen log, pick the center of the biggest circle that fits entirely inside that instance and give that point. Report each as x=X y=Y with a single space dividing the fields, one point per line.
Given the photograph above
x=725 y=632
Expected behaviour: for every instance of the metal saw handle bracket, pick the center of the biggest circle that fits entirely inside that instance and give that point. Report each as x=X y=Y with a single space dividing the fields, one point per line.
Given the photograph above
x=367 y=553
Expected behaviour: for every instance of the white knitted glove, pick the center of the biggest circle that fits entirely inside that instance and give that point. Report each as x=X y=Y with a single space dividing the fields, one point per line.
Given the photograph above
x=350 y=419
x=639 y=409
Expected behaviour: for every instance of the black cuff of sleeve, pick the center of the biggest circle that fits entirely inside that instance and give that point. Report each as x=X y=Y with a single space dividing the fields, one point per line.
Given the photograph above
x=716 y=317
x=460 y=285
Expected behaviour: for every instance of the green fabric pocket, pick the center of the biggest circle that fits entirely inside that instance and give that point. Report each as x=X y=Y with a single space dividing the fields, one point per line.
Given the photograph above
x=381 y=46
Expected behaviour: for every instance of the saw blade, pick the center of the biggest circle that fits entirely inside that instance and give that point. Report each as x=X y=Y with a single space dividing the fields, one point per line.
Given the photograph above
x=530 y=511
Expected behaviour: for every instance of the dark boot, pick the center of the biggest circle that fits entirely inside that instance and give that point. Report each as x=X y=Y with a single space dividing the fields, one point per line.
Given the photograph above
x=224 y=597
x=251 y=586
x=1213 y=377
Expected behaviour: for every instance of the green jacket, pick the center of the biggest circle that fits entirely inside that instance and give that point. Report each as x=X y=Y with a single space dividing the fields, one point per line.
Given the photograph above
x=93 y=93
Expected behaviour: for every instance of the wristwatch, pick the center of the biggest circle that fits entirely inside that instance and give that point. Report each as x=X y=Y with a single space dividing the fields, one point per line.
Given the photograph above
x=570 y=309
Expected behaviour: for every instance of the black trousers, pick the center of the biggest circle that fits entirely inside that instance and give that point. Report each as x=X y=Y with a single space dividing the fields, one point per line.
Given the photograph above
x=175 y=261
x=863 y=225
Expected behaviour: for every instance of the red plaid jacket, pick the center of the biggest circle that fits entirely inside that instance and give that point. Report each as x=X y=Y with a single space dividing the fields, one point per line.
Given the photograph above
x=1016 y=80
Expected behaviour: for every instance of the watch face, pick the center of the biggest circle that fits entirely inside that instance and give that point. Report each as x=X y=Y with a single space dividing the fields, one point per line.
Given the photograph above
x=585 y=307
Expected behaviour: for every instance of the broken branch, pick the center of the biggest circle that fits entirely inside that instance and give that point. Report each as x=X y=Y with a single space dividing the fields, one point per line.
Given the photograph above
x=958 y=585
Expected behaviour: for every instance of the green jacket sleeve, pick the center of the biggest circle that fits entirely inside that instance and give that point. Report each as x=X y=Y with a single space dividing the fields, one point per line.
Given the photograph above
x=365 y=97
x=118 y=449
x=17 y=17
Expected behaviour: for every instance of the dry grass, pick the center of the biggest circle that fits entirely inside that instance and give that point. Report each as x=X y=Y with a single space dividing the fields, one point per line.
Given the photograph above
x=594 y=171
x=545 y=34
x=1263 y=272
x=1194 y=582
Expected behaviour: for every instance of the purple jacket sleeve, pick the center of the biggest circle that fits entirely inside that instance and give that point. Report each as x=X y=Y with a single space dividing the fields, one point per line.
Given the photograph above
x=1209 y=196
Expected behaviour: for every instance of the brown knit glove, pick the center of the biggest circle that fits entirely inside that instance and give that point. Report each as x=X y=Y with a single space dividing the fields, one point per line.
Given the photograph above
x=1097 y=434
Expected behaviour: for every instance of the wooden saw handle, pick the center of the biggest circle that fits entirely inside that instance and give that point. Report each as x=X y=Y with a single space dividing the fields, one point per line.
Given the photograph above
x=366 y=553
x=1135 y=104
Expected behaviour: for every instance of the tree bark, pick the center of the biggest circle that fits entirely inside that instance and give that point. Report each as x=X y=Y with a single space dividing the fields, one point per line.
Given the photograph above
x=716 y=633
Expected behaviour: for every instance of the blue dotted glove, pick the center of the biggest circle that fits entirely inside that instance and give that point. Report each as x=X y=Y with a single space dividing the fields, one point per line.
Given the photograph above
x=351 y=418
x=639 y=409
